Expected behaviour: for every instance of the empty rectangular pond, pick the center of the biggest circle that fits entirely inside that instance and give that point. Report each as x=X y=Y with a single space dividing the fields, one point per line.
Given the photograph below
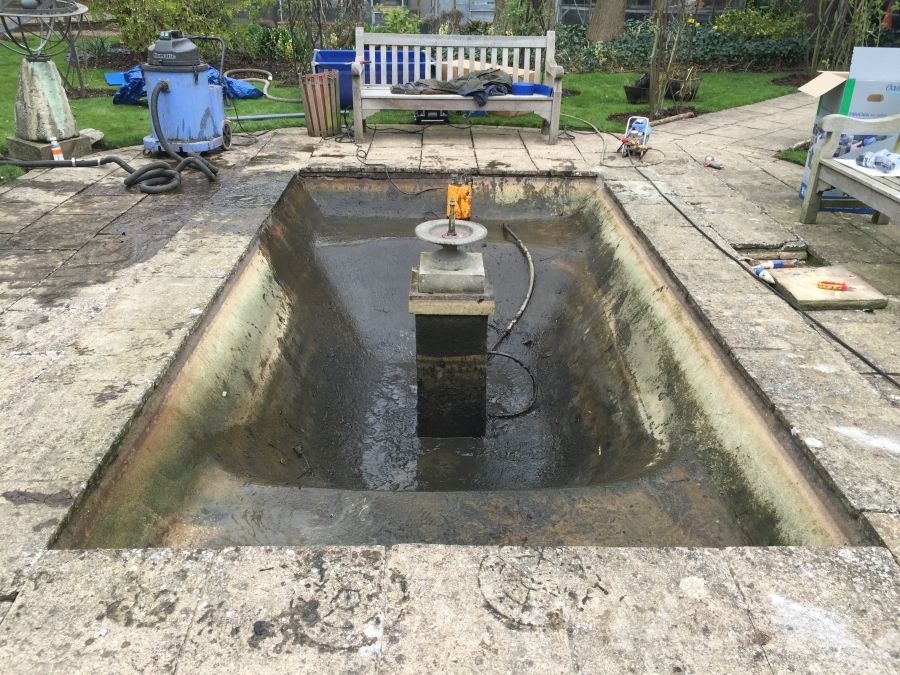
x=290 y=418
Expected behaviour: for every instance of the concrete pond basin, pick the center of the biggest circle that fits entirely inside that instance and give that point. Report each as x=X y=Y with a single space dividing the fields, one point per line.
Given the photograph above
x=209 y=458
x=636 y=440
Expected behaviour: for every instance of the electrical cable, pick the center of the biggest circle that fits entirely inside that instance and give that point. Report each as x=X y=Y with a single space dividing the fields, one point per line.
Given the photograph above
x=253 y=137
x=732 y=256
x=361 y=157
x=493 y=350
x=348 y=136
x=528 y=407
x=597 y=131
x=521 y=311
x=789 y=301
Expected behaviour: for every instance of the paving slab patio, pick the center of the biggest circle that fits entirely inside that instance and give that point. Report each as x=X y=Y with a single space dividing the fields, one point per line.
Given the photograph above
x=455 y=610
x=100 y=290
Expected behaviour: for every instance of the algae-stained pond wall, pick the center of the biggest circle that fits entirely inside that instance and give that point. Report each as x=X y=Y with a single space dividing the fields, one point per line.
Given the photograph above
x=291 y=419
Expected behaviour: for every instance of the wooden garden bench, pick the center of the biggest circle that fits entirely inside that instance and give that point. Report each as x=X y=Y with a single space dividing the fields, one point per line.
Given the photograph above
x=881 y=193
x=524 y=58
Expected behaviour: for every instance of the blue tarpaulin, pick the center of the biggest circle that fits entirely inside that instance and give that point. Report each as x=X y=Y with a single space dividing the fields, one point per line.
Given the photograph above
x=134 y=88
x=114 y=78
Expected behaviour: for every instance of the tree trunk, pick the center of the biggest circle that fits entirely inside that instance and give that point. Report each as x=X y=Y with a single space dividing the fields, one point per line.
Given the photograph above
x=499 y=7
x=607 y=20
x=810 y=7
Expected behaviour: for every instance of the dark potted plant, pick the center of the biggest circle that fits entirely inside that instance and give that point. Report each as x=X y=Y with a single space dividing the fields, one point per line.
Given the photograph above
x=683 y=85
x=639 y=91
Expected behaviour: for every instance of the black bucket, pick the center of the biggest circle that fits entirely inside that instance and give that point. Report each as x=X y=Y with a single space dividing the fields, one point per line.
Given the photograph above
x=637 y=94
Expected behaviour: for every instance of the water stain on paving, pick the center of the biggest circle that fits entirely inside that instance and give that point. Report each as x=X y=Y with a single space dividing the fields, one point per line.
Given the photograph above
x=60 y=498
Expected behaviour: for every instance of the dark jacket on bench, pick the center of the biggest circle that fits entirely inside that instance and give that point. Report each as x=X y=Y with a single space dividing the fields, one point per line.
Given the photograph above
x=479 y=84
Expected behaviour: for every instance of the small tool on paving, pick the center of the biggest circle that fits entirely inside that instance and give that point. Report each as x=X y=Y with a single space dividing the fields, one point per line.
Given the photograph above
x=711 y=162
x=836 y=286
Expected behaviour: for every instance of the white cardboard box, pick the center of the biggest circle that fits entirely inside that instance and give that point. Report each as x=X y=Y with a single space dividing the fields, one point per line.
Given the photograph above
x=869 y=91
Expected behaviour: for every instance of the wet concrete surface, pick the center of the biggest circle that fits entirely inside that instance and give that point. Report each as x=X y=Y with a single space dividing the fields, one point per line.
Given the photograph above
x=678 y=506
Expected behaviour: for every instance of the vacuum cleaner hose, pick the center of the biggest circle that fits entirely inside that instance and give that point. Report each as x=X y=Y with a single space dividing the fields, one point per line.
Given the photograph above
x=153 y=178
x=192 y=160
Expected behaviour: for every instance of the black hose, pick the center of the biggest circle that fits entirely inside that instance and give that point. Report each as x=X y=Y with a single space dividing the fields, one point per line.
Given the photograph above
x=77 y=163
x=533 y=387
x=521 y=311
x=154 y=178
x=493 y=350
x=192 y=160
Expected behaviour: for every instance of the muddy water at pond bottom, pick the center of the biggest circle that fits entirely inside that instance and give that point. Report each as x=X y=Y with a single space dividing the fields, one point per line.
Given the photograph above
x=292 y=418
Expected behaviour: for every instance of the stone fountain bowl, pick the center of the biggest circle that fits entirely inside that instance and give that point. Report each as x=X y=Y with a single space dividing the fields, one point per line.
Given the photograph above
x=435 y=232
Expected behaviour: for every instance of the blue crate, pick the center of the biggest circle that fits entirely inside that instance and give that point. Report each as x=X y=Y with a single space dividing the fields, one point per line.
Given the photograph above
x=341 y=60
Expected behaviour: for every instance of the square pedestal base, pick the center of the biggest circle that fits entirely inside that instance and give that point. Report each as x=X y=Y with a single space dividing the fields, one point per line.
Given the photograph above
x=35 y=151
x=451 y=374
x=469 y=280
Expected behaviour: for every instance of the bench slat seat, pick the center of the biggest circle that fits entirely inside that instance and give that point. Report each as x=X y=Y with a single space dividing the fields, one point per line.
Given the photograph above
x=881 y=193
x=387 y=57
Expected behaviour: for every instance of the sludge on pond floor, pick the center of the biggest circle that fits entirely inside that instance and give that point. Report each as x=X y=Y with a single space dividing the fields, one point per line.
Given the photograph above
x=291 y=418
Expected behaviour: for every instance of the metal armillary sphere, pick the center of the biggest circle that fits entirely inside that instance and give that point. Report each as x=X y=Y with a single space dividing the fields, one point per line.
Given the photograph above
x=38 y=29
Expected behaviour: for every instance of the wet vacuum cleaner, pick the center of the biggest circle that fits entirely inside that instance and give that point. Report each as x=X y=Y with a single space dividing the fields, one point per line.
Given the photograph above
x=191 y=112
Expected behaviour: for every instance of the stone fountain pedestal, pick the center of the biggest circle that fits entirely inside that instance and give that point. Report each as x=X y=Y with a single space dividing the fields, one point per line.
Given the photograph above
x=451 y=297
x=42 y=112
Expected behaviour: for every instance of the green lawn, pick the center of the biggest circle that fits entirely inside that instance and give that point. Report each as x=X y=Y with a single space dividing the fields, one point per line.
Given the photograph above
x=601 y=95
x=795 y=156
x=9 y=172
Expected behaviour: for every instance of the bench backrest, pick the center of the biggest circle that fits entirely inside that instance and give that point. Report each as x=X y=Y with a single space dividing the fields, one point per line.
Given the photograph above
x=395 y=57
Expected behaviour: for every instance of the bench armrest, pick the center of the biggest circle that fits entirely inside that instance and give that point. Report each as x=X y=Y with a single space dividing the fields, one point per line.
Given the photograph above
x=840 y=123
x=553 y=71
x=834 y=125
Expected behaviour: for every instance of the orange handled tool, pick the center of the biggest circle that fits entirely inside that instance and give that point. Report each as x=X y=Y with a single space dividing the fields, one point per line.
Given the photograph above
x=835 y=286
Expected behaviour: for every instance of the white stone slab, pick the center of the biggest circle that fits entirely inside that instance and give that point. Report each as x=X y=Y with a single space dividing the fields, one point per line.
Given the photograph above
x=801 y=285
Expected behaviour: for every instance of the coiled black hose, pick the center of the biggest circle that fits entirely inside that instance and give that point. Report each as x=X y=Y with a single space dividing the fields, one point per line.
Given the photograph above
x=154 y=178
x=192 y=160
